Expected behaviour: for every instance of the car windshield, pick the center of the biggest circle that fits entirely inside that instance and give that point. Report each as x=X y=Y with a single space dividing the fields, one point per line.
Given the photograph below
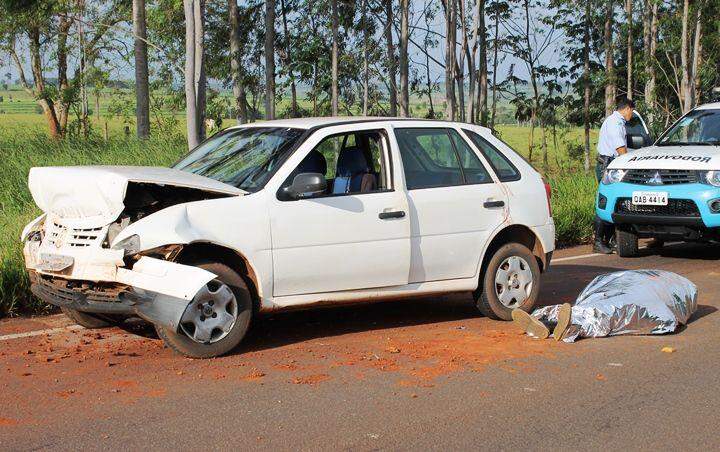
x=699 y=127
x=245 y=158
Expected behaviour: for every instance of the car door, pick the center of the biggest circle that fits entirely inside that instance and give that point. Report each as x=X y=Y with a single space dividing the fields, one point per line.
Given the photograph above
x=454 y=203
x=636 y=127
x=345 y=239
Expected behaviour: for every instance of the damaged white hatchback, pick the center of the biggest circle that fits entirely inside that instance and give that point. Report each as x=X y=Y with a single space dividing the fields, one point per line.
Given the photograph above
x=291 y=214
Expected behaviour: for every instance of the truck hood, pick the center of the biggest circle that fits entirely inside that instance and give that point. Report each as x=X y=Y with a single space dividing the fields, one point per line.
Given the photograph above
x=670 y=157
x=92 y=196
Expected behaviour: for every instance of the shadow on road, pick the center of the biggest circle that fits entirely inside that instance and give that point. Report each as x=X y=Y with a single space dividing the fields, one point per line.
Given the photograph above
x=692 y=251
x=562 y=285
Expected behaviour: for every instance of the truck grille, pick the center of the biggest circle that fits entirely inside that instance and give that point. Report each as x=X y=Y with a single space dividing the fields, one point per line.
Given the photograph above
x=59 y=235
x=674 y=208
x=660 y=177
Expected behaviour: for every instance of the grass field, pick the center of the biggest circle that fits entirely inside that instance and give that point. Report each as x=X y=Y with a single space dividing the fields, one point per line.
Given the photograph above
x=24 y=143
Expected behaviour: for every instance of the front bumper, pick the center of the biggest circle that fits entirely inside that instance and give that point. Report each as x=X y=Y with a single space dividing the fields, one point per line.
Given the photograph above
x=700 y=194
x=98 y=281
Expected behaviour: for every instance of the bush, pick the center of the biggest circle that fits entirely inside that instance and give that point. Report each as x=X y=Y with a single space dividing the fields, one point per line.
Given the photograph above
x=573 y=203
x=20 y=152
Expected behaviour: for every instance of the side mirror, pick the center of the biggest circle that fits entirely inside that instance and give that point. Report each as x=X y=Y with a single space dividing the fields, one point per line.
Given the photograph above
x=635 y=141
x=306 y=185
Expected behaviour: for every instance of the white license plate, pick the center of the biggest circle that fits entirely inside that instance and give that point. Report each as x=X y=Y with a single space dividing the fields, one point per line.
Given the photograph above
x=650 y=198
x=54 y=262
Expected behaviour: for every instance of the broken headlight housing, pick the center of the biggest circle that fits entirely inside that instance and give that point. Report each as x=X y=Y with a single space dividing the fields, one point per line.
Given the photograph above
x=130 y=244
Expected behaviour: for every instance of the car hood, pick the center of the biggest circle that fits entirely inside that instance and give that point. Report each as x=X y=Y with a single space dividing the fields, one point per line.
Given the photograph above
x=92 y=196
x=670 y=157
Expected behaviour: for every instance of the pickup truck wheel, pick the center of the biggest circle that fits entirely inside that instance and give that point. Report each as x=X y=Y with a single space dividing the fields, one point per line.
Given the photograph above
x=627 y=243
x=85 y=319
x=216 y=320
x=511 y=281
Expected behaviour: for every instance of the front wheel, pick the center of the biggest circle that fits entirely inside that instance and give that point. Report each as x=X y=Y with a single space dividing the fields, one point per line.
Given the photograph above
x=627 y=243
x=217 y=318
x=511 y=281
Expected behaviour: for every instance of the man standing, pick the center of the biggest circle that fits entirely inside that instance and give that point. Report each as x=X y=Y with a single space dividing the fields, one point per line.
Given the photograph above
x=611 y=143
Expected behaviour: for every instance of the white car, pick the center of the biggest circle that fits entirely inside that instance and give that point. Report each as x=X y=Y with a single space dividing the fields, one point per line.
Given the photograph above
x=291 y=214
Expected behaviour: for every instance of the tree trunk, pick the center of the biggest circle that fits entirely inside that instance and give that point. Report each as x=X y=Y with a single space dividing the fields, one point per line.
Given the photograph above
x=269 y=59
x=289 y=62
x=200 y=77
x=651 y=12
x=495 y=68
x=366 y=65
x=63 y=107
x=236 y=73
x=459 y=69
x=629 y=15
x=610 y=88
x=695 y=74
x=685 y=95
x=535 y=106
x=404 y=61
x=391 y=57
x=142 y=86
x=482 y=78
x=335 y=51
x=586 y=85
x=46 y=103
x=193 y=134
x=84 y=107
x=451 y=27
x=471 y=113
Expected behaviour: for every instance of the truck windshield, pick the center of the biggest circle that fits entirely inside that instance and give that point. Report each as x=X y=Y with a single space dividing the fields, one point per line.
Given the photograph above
x=245 y=158
x=699 y=127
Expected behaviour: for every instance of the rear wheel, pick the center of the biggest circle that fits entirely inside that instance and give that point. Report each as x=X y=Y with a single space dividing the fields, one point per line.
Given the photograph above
x=217 y=318
x=627 y=243
x=511 y=281
x=85 y=319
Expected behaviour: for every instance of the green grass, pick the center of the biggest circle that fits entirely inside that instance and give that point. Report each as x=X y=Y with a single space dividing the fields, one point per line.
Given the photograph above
x=22 y=149
x=24 y=143
x=573 y=198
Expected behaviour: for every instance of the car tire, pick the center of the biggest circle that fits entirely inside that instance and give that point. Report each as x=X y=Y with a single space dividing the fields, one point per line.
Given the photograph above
x=180 y=340
x=627 y=243
x=85 y=319
x=494 y=300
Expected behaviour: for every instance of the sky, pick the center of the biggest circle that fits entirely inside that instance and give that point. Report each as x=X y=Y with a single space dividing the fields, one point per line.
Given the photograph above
x=125 y=70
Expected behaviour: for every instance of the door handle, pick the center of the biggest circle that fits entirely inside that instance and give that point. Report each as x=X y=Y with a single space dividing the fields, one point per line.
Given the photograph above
x=491 y=204
x=389 y=215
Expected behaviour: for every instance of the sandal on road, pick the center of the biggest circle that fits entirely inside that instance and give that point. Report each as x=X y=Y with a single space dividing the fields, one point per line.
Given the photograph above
x=532 y=326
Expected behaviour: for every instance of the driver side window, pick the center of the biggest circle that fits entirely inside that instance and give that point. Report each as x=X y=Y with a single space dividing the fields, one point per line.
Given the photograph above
x=352 y=163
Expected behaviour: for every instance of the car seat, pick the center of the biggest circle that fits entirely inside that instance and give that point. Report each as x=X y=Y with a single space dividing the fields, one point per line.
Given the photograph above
x=353 y=174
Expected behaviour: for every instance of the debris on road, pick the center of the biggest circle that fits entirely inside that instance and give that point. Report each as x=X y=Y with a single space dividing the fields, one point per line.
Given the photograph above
x=667 y=350
x=625 y=302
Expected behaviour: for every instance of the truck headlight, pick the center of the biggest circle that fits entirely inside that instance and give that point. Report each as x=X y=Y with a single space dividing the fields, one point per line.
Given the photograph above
x=711 y=177
x=130 y=244
x=610 y=176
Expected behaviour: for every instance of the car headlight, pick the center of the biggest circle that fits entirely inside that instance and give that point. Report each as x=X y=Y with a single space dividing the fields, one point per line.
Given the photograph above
x=611 y=176
x=130 y=244
x=711 y=177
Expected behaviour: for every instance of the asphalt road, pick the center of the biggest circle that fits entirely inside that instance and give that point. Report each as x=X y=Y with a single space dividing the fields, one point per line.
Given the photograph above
x=412 y=374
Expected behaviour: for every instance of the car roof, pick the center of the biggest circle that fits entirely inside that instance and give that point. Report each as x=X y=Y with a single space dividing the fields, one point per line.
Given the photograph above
x=710 y=106
x=318 y=122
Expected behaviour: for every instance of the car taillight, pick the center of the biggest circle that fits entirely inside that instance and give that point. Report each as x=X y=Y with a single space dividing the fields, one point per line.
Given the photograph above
x=548 y=195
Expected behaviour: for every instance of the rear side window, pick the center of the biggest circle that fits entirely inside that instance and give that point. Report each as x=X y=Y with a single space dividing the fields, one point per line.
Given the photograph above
x=438 y=158
x=505 y=170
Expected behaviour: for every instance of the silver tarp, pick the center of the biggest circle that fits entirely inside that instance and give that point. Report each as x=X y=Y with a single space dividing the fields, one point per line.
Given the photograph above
x=628 y=302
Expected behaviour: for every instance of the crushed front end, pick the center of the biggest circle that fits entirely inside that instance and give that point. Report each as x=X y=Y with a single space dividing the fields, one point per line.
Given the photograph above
x=74 y=267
